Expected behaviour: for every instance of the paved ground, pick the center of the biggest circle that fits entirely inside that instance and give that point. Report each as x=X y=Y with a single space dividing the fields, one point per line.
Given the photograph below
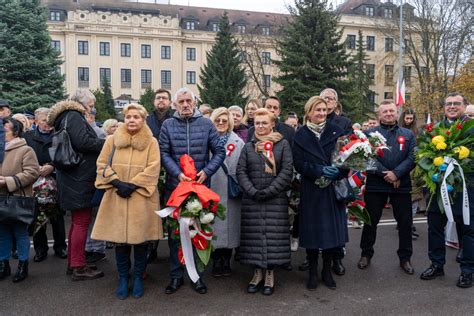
x=383 y=289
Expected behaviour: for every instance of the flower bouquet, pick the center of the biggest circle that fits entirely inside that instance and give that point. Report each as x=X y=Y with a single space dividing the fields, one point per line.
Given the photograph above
x=356 y=208
x=46 y=193
x=190 y=212
x=443 y=157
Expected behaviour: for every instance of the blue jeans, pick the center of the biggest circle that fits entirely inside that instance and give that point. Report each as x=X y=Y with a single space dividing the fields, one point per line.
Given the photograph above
x=93 y=245
x=20 y=232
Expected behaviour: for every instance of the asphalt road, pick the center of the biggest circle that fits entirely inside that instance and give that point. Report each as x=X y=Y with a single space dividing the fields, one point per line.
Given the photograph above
x=382 y=289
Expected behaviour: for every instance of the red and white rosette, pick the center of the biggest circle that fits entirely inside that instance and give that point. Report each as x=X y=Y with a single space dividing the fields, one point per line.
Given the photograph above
x=268 y=146
x=230 y=149
x=401 y=140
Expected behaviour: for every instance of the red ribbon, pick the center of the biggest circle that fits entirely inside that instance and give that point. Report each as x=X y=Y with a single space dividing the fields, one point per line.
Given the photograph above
x=346 y=147
x=268 y=146
x=230 y=149
x=401 y=141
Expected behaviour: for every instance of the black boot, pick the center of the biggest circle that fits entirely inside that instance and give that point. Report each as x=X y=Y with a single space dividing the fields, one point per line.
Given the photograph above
x=22 y=271
x=4 y=269
x=326 y=273
x=226 y=270
x=217 y=264
x=313 y=270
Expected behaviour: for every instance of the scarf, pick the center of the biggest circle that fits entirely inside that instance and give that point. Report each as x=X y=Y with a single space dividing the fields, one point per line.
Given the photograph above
x=273 y=138
x=317 y=129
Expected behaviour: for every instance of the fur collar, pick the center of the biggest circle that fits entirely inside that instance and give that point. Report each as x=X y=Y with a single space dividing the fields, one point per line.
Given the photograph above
x=140 y=141
x=62 y=106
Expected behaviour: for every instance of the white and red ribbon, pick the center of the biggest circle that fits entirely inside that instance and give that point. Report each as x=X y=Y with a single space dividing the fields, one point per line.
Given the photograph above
x=401 y=140
x=452 y=165
x=230 y=149
x=268 y=146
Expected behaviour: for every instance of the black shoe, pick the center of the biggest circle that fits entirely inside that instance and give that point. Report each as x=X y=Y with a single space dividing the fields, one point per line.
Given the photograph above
x=364 y=262
x=200 y=287
x=304 y=266
x=217 y=267
x=337 y=267
x=174 y=285
x=61 y=254
x=152 y=255
x=465 y=280
x=459 y=256
x=40 y=256
x=22 y=271
x=226 y=270
x=5 y=269
x=406 y=266
x=432 y=272
x=95 y=257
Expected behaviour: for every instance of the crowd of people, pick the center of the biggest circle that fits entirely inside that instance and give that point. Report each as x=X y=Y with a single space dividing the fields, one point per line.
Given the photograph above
x=113 y=192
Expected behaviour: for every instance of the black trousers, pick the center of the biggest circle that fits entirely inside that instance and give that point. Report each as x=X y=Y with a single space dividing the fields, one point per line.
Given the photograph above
x=401 y=203
x=40 y=240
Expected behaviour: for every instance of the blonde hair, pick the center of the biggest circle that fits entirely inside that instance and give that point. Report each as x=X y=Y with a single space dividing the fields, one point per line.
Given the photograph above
x=108 y=124
x=23 y=120
x=223 y=111
x=257 y=103
x=134 y=106
x=263 y=112
x=311 y=104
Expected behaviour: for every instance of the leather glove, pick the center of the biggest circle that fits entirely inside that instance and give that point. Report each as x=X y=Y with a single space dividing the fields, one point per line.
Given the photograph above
x=331 y=172
x=260 y=196
x=124 y=189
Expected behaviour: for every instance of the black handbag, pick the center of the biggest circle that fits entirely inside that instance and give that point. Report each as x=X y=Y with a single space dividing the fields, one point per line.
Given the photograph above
x=344 y=191
x=233 y=188
x=99 y=193
x=62 y=155
x=14 y=208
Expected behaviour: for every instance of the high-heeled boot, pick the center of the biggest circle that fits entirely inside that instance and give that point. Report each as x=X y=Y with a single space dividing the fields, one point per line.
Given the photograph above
x=22 y=271
x=326 y=273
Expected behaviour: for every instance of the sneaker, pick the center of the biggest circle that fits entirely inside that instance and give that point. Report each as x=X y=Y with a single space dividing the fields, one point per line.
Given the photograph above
x=295 y=243
x=95 y=257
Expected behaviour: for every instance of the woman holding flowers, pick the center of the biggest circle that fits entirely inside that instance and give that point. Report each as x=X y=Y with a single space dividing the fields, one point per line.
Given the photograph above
x=264 y=171
x=227 y=230
x=128 y=169
x=323 y=222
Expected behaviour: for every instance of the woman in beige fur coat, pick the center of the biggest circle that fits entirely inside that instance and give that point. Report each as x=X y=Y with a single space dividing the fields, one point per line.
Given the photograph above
x=126 y=214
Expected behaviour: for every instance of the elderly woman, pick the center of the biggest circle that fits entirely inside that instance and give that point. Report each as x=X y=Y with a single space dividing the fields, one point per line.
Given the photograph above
x=128 y=168
x=228 y=230
x=250 y=108
x=323 y=222
x=110 y=126
x=18 y=171
x=264 y=172
x=23 y=120
x=76 y=184
x=239 y=128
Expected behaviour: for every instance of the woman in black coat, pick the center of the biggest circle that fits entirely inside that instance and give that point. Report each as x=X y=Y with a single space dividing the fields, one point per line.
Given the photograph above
x=323 y=222
x=264 y=172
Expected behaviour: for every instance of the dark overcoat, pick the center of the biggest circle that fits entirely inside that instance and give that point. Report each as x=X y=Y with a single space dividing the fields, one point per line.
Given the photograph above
x=323 y=220
x=265 y=229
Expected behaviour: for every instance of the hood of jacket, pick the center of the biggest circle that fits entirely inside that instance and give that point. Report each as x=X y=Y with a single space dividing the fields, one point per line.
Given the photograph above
x=62 y=106
x=15 y=143
x=140 y=141
x=195 y=115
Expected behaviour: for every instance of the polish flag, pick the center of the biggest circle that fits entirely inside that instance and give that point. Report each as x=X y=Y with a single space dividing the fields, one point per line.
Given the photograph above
x=400 y=97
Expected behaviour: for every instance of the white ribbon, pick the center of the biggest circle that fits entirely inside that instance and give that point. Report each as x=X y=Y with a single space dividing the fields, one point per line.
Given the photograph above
x=452 y=164
x=184 y=234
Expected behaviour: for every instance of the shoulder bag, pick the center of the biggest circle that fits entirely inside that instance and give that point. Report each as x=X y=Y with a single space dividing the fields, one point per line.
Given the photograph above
x=62 y=155
x=18 y=208
x=233 y=188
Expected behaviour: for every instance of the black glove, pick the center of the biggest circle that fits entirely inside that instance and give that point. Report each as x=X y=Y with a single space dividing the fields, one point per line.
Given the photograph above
x=260 y=196
x=124 y=189
x=331 y=172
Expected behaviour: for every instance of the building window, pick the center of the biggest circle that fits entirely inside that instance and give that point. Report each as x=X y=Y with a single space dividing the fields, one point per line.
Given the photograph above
x=388 y=44
x=104 y=73
x=56 y=45
x=190 y=25
x=369 y=11
x=54 y=15
x=351 y=41
x=388 y=95
x=126 y=78
x=371 y=43
x=370 y=71
x=387 y=13
x=146 y=51
x=389 y=75
x=104 y=49
x=243 y=57
x=215 y=27
x=165 y=52
x=371 y=96
x=266 y=58
x=241 y=29
x=267 y=81
x=166 y=79
x=406 y=45
x=190 y=77
x=424 y=71
x=190 y=53
x=407 y=74
x=125 y=49
x=83 y=47
x=146 y=78
x=83 y=77
x=265 y=31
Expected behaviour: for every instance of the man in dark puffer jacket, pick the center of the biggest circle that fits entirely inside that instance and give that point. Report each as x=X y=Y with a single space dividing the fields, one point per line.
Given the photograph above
x=187 y=132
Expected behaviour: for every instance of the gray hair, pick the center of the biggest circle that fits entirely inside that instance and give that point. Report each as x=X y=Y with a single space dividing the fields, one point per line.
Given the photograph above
x=329 y=90
x=41 y=111
x=183 y=90
x=236 y=108
x=83 y=96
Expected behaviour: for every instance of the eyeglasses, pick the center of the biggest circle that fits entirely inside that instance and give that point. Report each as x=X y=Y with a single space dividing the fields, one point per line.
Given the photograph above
x=221 y=121
x=159 y=97
x=329 y=99
x=457 y=103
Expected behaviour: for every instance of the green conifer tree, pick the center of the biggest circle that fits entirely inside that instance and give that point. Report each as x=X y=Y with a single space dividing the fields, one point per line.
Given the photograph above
x=312 y=55
x=147 y=99
x=222 y=78
x=29 y=66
